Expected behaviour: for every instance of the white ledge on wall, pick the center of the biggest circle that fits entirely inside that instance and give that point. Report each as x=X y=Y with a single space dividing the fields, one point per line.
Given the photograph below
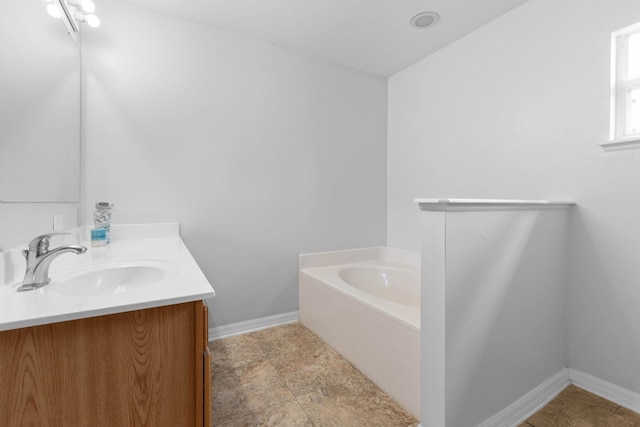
x=457 y=205
x=620 y=144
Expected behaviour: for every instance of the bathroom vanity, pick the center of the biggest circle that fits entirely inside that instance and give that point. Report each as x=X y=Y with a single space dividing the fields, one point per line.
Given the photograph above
x=119 y=337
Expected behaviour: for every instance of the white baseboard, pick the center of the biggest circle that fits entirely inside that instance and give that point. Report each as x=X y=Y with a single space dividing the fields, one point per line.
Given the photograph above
x=240 y=328
x=605 y=389
x=530 y=403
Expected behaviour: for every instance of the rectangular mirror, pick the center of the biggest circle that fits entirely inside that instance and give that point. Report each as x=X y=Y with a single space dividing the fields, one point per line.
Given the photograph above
x=40 y=90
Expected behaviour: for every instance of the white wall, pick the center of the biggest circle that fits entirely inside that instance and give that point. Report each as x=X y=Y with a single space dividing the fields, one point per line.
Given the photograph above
x=21 y=222
x=259 y=153
x=516 y=110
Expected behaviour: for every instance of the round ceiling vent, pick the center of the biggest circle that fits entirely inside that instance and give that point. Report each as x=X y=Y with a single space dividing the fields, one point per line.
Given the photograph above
x=424 y=20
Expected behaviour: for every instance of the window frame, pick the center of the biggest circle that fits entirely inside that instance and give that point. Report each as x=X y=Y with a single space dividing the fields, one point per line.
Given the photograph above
x=620 y=138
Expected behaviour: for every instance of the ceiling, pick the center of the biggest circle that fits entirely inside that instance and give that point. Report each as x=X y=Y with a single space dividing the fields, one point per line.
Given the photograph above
x=373 y=36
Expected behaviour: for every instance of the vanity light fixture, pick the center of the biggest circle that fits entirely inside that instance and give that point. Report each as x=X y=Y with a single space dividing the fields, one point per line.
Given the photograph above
x=84 y=12
x=89 y=19
x=74 y=12
x=87 y=6
x=53 y=10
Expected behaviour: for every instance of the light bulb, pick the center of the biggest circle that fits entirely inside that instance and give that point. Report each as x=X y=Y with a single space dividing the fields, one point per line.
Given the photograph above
x=93 y=21
x=88 y=6
x=53 y=10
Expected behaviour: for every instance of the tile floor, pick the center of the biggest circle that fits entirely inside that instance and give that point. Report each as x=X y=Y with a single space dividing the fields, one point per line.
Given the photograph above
x=575 y=407
x=286 y=376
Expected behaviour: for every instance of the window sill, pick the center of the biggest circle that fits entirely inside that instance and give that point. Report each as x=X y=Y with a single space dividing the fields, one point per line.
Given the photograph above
x=628 y=143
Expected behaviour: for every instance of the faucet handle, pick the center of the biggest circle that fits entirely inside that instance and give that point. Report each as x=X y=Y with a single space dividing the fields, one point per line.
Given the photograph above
x=40 y=244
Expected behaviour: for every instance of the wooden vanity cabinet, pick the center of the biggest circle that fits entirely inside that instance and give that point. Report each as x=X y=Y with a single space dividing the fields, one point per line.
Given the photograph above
x=140 y=368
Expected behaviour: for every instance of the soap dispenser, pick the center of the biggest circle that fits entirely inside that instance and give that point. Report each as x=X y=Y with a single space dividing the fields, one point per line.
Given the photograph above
x=102 y=218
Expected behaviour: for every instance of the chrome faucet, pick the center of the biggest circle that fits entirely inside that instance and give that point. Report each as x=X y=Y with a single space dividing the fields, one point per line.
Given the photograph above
x=39 y=258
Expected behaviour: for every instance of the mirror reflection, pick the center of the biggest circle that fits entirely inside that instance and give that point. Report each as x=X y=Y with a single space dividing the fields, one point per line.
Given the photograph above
x=39 y=106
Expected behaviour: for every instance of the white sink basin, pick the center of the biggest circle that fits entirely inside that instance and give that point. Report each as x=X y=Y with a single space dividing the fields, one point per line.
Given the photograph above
x=111 y=278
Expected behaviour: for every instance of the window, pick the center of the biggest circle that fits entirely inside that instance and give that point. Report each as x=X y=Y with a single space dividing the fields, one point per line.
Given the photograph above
x=625 y=87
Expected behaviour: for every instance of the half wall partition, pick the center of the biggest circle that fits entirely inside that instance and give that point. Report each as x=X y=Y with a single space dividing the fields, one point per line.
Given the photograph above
x=493 y=309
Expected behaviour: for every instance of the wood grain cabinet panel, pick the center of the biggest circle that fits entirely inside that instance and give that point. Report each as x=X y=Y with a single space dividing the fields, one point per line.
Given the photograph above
x=139 y=368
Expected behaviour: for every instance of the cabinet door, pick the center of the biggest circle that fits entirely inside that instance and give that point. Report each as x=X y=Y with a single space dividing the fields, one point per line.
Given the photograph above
x=127 y=369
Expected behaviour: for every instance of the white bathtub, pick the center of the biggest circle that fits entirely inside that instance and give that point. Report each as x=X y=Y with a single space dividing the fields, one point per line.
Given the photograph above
x=365 y=303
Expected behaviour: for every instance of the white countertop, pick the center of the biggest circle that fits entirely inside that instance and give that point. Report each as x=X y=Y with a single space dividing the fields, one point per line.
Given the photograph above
x=45 y=305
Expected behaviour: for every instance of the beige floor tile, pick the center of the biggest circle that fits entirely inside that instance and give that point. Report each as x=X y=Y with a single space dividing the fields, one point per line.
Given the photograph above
x=313 y=369
x=247 y=389
x=288 y=338
x=574 y=407
x=624 y=417
x=237 y=351
x=340 y=410
x=286 y=414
